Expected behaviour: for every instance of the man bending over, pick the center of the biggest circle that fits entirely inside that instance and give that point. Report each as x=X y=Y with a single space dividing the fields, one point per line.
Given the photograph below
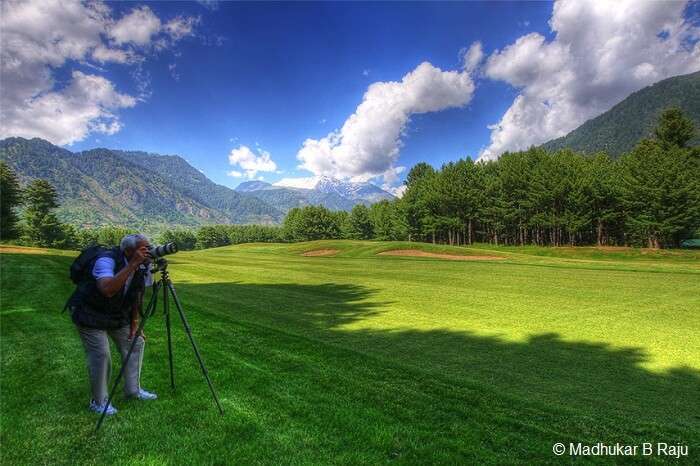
x=107 y=304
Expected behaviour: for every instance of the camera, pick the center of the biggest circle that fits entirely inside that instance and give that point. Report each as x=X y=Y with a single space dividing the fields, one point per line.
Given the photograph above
x=162 y=250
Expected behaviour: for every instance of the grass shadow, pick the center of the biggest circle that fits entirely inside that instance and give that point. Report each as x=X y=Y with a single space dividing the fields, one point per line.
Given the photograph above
x=602 y=389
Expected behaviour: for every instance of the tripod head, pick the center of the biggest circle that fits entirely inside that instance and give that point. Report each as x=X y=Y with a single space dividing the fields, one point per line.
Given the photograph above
x=160 y=264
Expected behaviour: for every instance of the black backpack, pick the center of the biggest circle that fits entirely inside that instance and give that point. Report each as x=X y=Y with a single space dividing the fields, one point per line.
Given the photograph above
x=81 y=268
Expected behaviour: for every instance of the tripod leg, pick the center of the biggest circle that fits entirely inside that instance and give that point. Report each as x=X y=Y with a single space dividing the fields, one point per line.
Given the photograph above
x=149 y=311
x=166 y=307
x=194 y=346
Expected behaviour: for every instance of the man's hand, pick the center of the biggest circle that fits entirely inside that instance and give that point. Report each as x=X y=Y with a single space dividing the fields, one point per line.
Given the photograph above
x=110 y=286
x=139 y=257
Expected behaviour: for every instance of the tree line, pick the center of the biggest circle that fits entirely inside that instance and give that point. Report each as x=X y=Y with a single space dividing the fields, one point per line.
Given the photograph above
x=649 y=197
x=27 y=217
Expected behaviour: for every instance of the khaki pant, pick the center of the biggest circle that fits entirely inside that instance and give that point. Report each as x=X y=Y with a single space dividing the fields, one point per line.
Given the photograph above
x=99 y=360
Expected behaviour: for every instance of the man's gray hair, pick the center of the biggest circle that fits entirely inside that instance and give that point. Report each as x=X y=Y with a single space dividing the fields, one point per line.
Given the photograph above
x=130 y=241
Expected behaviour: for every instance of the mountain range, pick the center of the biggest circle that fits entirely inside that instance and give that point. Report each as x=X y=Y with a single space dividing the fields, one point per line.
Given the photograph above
x=619 y=129
x=102 y=186
x=330 y=192
x=144 y=190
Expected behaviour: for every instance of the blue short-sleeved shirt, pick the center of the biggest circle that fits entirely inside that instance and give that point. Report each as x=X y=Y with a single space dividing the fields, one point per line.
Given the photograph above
x=104 y=268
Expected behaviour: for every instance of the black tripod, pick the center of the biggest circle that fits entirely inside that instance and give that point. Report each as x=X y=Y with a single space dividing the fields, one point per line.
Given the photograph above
x=164 y=282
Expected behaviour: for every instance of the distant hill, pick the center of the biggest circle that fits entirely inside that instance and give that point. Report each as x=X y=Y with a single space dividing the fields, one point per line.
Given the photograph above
x=329 y=192
x=250 y=186
x=103 y=186
x=619 y=129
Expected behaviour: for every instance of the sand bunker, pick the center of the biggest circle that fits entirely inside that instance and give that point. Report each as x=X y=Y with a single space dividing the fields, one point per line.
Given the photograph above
x=454 y=257
x=321 y=252
x=22 y=250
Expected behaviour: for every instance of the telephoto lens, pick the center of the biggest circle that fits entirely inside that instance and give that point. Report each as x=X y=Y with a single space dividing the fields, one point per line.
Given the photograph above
x=162 y=250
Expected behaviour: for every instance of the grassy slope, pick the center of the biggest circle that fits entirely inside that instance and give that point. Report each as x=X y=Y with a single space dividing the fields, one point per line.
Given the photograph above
x=359 y=358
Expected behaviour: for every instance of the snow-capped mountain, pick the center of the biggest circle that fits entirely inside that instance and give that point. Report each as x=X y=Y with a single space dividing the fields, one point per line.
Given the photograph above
x=362 y=191
x=326 y=191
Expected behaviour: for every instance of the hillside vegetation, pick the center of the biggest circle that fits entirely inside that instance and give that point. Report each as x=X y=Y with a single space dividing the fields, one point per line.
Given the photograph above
x=102 y=187
x=365 y=359
x=619 y=129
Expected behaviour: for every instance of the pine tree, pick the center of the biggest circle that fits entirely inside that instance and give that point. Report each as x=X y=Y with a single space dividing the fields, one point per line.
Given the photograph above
x=359 y=224
x=385 y=222
x=10 y=199
x=441 y=200
x=312 y=223
x=471 y=200
x=674 y=128
x=495 y=214
x=661 y=193
x=576 y=199
x=604 y=197
x=661 y=188
x=417 y=217
x=518 y=173
x=42 y=227
x=212 y=236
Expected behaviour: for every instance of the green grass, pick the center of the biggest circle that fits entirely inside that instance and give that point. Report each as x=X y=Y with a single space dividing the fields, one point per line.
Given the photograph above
x=366 y=359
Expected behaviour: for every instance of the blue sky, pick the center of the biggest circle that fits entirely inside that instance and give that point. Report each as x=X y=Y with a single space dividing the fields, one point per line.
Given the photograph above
x=260 y=79
x=287 y=72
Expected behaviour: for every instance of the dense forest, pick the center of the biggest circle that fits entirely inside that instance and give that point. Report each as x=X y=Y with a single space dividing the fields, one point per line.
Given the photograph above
x=648 y=197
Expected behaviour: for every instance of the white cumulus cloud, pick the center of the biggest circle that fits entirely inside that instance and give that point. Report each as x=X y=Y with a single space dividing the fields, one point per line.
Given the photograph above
x=181 y=26
x=601 y=52
x=84 y=106
x=105 y=54
x=250 y=162
x=473 y=56
x=138 y=27
x=368 y=144
x=41 y=37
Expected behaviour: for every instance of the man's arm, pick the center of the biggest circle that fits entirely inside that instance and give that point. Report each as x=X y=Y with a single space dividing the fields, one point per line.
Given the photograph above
x=109 y=286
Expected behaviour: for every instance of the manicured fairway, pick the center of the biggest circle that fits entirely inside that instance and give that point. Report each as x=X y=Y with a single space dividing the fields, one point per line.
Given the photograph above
x=357 y=358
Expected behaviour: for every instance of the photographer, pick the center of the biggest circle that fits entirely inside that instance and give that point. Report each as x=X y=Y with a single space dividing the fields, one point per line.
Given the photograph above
x=107 y=304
